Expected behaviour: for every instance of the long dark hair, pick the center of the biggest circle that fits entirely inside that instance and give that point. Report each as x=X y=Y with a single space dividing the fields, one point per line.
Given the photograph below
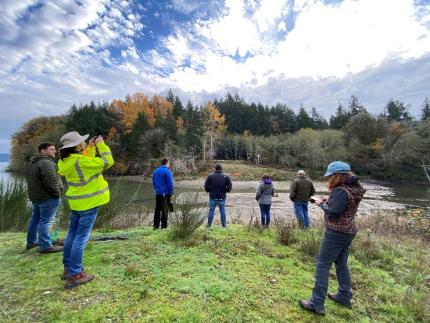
x=64 y=153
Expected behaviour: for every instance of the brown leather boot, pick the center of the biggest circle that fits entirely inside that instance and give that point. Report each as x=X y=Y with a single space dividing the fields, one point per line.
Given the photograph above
x=52 y=249
x=65 y=275
x=79 y=279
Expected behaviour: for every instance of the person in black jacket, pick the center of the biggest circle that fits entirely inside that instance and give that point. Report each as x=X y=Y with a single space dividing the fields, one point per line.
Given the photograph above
x=217 y=185
x=44 y=187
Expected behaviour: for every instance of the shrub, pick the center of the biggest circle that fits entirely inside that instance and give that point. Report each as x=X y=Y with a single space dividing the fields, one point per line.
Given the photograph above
x=254 y=223
x=310 y=242
x=285 y=230
x=366 y=247
x=15 y=208
x=187 y=217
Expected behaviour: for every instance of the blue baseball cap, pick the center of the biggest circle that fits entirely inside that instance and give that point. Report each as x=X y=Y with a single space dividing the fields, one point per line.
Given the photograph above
x=337 y=167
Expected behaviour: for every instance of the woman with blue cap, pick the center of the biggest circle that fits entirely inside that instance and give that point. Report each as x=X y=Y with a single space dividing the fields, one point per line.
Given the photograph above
x=340 y=211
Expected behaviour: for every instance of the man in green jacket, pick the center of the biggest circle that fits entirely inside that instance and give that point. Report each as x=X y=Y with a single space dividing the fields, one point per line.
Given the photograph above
x=44 y=188
x=301 y=190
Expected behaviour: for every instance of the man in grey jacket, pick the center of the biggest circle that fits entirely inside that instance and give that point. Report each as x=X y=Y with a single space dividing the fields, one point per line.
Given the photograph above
x=44 y=188
x=301 y=190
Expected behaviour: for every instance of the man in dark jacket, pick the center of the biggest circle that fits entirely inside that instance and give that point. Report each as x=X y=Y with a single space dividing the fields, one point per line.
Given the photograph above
x=44 y=188
x=217 y=185
x=301 y=190
x=162 y=181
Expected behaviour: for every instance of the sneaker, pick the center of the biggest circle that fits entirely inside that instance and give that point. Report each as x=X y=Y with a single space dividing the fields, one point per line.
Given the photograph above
x=31 y=246
x=308 y=305
x=79 y=279
x=335 y=298
x=52 y=249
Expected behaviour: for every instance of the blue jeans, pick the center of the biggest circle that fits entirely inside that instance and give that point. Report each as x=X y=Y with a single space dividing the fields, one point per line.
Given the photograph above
x=301 y=211
x=81 y=223
x=334 y=248
x=221 y=205
x=42 y=217
x=265 y=213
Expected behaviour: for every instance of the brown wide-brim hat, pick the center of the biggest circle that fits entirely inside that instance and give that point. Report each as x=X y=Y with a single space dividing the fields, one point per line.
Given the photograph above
x=72 y=139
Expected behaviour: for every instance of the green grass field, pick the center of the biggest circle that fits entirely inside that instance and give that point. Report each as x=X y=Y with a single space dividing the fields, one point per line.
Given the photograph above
x=233 y=275
x=249 y=172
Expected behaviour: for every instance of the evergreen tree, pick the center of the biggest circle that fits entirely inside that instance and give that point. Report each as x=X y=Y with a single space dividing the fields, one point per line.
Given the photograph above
x=303 y=119
x=340 y=119
x=193 y=129
x=283 y=118
x=318 y=122
x=425 y=112
x=132 y=140
x=354 y=106
x=396 y=111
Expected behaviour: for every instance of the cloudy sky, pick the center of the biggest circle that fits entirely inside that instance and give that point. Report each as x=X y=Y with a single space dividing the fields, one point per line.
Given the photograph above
x=299 y=52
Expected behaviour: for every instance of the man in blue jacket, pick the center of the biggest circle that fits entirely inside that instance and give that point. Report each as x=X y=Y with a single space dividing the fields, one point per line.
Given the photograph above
x=162 y=181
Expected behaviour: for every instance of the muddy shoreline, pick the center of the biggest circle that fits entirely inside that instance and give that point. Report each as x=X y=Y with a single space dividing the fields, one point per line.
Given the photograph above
x=241 y=204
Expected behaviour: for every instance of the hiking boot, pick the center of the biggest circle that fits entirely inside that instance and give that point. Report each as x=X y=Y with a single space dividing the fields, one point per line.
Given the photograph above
x=65 y=274
x=308 y=305
x=31 y=246
x=52 y=249
x=335 y=298
x=79 y=279
x=58 y=242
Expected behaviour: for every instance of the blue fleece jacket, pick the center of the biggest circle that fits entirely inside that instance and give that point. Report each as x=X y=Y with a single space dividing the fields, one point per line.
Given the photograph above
x=162 y=180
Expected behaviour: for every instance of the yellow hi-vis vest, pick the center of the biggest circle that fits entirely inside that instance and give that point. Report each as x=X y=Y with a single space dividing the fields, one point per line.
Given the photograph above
x=86 y=186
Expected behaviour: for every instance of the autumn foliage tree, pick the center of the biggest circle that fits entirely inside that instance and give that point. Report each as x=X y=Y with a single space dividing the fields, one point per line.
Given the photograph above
x=140 y=129
x=213 y=123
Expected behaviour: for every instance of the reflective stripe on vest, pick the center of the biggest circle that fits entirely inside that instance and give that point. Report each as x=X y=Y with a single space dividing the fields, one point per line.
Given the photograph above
x=84 y=196
x=106 y=165
x=82 y=181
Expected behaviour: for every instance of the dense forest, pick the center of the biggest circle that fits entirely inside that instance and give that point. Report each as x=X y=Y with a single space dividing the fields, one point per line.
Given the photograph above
x=139 y=129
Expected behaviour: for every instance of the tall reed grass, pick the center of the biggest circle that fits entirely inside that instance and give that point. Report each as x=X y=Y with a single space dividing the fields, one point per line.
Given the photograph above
x=15 y=208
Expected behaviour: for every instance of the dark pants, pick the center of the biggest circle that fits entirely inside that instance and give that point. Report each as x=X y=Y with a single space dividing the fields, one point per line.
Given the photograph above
x=161 y=212
x=334 y=249
x=265 y=213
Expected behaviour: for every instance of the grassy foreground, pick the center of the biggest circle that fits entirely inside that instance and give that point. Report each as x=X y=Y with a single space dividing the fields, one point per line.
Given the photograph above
x=233 y=275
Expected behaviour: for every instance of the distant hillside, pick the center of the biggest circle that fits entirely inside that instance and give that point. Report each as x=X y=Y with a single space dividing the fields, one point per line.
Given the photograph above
x=4 y=157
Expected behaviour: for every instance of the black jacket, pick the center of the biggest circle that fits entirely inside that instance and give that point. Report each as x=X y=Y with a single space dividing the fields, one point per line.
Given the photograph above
x=43 y=181
x=217 y=185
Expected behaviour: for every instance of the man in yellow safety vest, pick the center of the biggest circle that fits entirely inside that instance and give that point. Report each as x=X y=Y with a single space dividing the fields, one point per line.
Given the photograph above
x=87 y=190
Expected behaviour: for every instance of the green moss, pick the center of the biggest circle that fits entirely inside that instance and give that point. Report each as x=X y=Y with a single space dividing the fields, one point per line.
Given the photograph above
x=232 y=275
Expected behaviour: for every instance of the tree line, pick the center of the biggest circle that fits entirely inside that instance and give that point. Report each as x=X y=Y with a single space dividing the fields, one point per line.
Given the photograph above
x=140 y=129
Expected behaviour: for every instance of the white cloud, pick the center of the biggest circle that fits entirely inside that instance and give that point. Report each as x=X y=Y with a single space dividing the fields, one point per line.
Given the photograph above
x=234 y=32
x=267 y=14
x=60 y=53
x=327 y=40
x=282 y=26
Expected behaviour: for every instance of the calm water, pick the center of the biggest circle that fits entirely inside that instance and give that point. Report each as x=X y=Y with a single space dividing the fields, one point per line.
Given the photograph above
x=3 y=174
